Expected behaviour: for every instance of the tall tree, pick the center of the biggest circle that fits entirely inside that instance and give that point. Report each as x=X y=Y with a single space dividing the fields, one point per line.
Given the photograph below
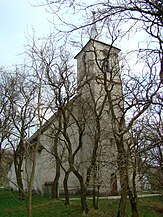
x=5 y=126
x=148 y=134
x=20 y=97
x=133 y=101
x=118 y=17
x=114 y=16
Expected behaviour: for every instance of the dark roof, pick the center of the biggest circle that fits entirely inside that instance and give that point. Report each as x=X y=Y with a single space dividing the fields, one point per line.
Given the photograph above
x=44 y=128
x=47 y=123
x=93 y=40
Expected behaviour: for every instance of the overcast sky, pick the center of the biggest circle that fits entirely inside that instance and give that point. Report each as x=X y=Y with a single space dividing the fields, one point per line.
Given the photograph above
x=18 y=19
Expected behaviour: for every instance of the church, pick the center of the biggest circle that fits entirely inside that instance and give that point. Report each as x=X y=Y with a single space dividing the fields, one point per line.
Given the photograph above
x=78 y=140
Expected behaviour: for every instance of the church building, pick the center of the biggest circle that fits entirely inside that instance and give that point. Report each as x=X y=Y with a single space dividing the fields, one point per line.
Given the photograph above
x=79 y=140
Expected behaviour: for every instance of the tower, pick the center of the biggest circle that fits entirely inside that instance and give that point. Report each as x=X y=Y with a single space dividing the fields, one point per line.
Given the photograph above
x=98 y=65
x=98 y=75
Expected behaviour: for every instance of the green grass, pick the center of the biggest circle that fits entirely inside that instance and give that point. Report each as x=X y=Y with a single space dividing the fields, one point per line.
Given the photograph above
x=11 y=206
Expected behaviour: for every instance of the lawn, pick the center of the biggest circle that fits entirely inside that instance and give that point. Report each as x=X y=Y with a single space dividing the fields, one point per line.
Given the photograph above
x=11 y=206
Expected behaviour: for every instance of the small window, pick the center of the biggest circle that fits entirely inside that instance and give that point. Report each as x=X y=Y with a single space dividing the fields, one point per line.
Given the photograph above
x=105 y=65
x=112 y=141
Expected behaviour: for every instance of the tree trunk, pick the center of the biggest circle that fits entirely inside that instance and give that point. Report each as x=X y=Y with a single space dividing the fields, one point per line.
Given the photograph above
x=33 y=156
x=95 y=198
x=18 y=161
x=18 y=171
x=55 y=185
x=122 y=203
x=133 y=196
x=67 y=200
x=30 y=181
x=83 y=192
x=29 y=204
x=21 y=187
x=123 y=172
x=95 y=195
x=133 y=203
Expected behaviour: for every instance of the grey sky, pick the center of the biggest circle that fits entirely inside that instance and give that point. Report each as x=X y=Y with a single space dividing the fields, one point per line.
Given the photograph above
x=18 y=19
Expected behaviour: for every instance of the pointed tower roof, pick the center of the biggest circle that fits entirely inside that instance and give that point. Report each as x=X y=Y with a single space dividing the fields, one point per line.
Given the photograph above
x=94 y=34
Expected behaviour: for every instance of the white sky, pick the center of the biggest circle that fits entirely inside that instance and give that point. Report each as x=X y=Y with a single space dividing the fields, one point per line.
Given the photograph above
x=17 y=20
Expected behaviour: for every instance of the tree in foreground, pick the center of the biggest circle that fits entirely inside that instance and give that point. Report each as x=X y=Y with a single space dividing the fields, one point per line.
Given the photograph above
x=138 y=15
x=20 y=114
x=5 y=129
x=148 y=136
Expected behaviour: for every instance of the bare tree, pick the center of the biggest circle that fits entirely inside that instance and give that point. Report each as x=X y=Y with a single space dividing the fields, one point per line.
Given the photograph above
x=149 y=145
x=19 y=114
x=60 y=79
x=113 y=16
x=5 y=127
x=42 y=104
x=133 y=100
x=69 y=128
x=116 y=17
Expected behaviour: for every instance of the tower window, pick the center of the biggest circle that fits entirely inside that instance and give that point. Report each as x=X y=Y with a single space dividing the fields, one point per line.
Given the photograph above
x=105 y=65
x=112 y=142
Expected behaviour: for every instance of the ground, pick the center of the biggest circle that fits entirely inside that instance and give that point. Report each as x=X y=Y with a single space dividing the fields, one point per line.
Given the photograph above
x=11 y=206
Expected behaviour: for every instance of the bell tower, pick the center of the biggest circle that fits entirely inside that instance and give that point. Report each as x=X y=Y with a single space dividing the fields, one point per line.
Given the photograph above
x=98 y=76
x=98 y=64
